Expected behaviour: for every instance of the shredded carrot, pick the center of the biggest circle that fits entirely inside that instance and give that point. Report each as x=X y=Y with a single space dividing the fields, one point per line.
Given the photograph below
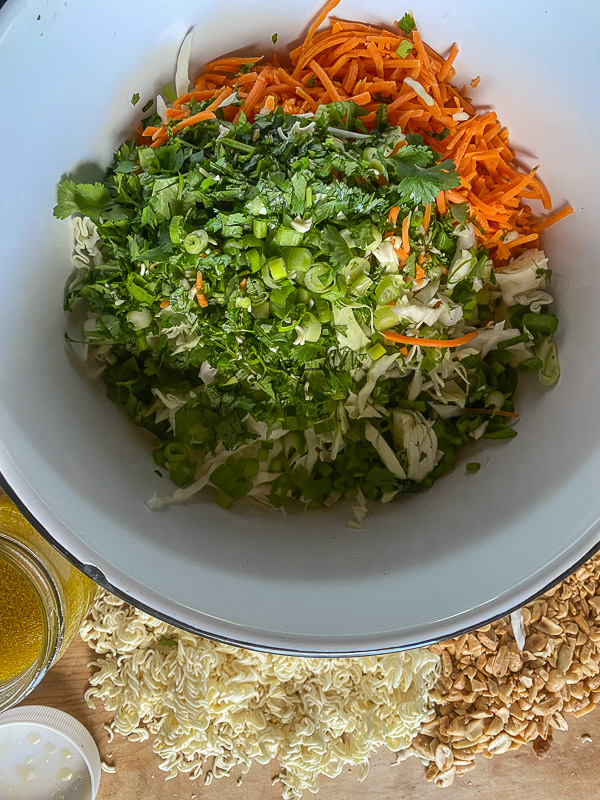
x=325 y=80
x=404 y=350
x=393 y=214
x=353 y=60
x=419 y=273
x=233 y=61
x=494 y=411
x=399 y=337
x=165 y=304
x=447 y=65
x=200 y=296
x=426 y=217
x=405 y=237
x=521 y=240
x=475 y=82
x=550 y=220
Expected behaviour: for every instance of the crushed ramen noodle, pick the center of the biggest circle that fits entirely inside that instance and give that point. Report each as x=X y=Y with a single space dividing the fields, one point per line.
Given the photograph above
x=208 y=701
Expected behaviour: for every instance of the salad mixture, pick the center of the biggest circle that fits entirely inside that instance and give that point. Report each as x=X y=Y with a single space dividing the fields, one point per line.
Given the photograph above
x=317 y=281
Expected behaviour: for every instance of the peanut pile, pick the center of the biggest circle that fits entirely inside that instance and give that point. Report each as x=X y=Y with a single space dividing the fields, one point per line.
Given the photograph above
x=492 y=697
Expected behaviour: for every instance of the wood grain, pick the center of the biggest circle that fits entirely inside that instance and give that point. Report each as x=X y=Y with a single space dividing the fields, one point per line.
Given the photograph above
x=569 y=772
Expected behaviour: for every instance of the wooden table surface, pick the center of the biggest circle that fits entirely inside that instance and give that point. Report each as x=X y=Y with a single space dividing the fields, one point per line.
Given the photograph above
x=571 y=771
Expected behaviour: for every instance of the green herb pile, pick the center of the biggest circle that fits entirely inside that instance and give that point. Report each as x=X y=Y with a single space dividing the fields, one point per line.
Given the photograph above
x=246 y=277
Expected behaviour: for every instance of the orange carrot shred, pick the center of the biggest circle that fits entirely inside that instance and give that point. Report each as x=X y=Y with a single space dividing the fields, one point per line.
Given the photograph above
x=393 y=214
x=426 y=217
x=352 y=60
x=405 y=237
x=410 y=340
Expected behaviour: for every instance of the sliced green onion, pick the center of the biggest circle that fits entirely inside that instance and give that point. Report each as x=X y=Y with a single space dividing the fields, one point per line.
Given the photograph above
x=142 y=341
x=318 y=279
x=384 y=318
x=298 y=259
x=387 y=290
x=322 y=307
x=473 y=466
x=503 y=433
x=550 y=372
x=266 y=276
x=288 y=237
x=176 y=230
x=361 y=285
x=260 y=310
x=494 y=398
x=413 y=405
x=232 y=247
x=175 y=451
x=229 y=481
x=195 y=242
x=515 y=340
x=259 y=228
x=416 y=218
x=543 y=323
x=277 y=269
x=254 y=259
x=249 y=240
x=279 y=302
x=311 y=327
x=354 y=269
x=376 y=351
x=225 y=500
x=529 y=365
x=308 y=198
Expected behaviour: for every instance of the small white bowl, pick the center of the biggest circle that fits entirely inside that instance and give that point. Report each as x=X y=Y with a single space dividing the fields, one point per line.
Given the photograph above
x=425 y=567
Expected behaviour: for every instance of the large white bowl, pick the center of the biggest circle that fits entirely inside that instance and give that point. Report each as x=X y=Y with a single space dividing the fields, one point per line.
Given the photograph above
x=469 y=550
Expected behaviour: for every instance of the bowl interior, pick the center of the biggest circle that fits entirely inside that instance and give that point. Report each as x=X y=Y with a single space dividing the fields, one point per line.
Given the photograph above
x=424 y=567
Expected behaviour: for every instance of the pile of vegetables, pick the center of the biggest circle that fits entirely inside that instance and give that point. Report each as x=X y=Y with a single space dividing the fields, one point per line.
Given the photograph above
x=286 y=304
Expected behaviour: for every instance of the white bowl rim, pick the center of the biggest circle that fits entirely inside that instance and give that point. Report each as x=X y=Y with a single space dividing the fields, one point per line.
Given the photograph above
x=100 y=572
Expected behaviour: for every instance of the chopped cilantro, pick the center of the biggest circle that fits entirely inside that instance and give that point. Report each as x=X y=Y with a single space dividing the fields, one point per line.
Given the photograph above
x=147 y=105
x=407 y=23
x=89 y=199
x=460 y=211
x=274 y=38
x=244 y=291
x=135 y=99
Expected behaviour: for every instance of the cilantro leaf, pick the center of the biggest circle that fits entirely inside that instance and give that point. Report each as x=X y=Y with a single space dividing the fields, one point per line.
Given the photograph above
x=460 y=211
x=89 y=199
x=407 y=23
x=335 y=246
x=274 y=38
x=135 y=98
x=421 y=185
